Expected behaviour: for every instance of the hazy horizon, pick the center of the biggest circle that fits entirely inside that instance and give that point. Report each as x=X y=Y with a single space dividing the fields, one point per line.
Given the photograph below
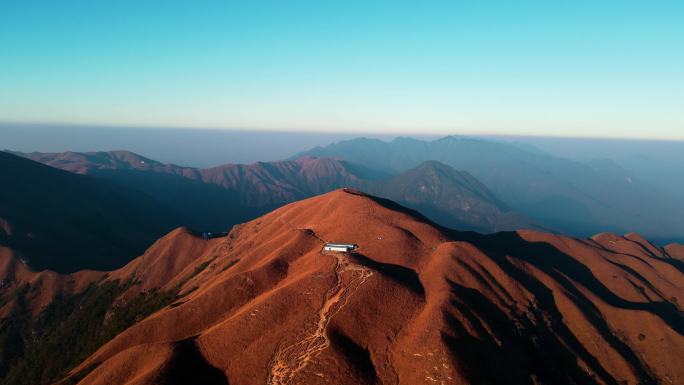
x=610 y=69
x=212 y=147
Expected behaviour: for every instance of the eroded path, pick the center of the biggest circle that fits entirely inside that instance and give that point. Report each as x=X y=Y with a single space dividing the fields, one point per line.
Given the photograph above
x=291 y=359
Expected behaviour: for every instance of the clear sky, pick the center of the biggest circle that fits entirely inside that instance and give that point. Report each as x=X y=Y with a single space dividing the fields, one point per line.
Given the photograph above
x=570 y=68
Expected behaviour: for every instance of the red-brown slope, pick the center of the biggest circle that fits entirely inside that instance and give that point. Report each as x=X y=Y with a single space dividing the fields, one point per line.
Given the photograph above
x=169 y=260
x=274 y=183
x=676 y=251
x=414 y=304
x=42 y=313
x=15 y=275
x=161 y=267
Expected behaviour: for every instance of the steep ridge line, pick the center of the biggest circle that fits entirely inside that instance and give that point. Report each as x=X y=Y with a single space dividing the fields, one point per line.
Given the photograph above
x=290 y=360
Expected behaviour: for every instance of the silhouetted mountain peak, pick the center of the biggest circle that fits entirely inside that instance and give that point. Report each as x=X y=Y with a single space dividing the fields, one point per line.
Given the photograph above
x=432 y=178
x=435 y=166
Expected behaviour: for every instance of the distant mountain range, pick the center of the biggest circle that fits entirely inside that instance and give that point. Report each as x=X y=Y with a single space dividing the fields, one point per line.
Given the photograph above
x=214 y=199
x=414 y=303
x=569 y=196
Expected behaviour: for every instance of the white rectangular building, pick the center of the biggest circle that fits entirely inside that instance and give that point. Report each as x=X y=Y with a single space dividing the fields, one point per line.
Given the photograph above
x=340 y=247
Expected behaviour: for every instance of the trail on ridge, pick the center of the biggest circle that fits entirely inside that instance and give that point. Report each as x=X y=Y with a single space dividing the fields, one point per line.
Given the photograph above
x=290 y=360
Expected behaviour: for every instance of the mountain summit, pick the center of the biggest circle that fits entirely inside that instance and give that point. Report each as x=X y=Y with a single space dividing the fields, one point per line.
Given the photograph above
x=413 y=303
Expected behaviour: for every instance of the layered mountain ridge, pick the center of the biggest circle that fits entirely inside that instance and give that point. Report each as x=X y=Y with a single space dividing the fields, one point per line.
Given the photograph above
x=217 y=198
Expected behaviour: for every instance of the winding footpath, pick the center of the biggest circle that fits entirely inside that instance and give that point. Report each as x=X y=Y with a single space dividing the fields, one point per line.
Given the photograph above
x=290 y=360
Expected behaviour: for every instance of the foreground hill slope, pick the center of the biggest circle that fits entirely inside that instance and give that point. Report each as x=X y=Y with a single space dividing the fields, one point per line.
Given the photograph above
x=219 y=197
x=414 y=304
x=50 y=322
x=63 y=221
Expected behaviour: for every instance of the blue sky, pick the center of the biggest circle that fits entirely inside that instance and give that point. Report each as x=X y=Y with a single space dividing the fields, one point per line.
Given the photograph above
x=570 y=68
